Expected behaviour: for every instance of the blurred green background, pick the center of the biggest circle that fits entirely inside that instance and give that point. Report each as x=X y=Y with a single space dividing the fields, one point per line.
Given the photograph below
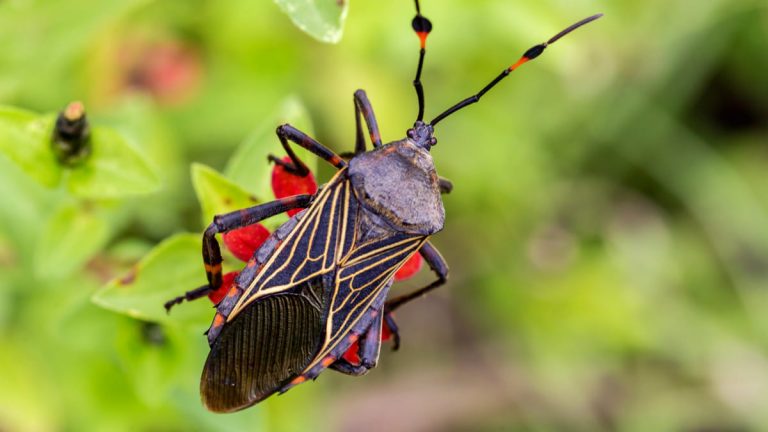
x=607 y=234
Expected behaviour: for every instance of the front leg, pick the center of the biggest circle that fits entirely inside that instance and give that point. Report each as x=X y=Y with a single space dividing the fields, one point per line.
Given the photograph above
x=227 y=222
x=363 y=107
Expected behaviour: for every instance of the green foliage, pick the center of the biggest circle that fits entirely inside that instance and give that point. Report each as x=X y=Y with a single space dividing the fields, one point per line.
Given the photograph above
x=216 y=194
x=71 y=237
x=114 y=169
x=155 y=279
x=25 y=139
x=321 y=19
x=261 y=142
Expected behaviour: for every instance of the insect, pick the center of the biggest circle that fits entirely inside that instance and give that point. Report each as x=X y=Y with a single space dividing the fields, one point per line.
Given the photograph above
x=319 y=284
x=71 y=135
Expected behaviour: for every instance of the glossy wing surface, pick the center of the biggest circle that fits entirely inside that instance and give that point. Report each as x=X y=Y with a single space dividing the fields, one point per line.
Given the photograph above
x=308 y=251
x=264 y=346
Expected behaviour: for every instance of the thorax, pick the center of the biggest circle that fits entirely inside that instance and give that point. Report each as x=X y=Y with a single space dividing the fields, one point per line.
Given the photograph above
x=399 y=184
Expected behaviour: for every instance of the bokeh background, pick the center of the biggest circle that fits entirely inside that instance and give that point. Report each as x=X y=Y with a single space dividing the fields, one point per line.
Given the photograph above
x=607 y=234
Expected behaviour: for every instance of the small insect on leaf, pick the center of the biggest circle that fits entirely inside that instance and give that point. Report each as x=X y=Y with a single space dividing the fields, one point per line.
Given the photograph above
x=72 y=135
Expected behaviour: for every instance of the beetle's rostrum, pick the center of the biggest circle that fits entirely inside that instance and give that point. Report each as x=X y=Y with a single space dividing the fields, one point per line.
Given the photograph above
x=314 y=295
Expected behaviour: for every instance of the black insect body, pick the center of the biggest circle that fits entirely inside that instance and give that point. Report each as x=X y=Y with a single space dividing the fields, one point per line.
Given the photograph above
x=319 y=283
x=71 y=135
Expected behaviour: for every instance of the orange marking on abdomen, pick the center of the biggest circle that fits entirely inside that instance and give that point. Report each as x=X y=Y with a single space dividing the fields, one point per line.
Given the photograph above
x=327 y=361
x=298 y=380
x=218 y=320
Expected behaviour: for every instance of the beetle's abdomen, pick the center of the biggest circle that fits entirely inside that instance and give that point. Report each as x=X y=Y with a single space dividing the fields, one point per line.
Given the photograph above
x=399 y=183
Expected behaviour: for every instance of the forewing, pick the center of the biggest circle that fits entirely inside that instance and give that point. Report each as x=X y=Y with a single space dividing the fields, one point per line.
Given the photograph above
x=361 y=284
x=265 y=345
x=308 y=251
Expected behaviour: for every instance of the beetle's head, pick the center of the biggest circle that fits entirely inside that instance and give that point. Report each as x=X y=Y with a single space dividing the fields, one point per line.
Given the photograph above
x=422 y=134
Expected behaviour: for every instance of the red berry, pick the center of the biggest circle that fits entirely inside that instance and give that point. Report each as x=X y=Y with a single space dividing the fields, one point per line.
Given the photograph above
x=244 y=241
x=227 y=281
x=285 y=184
x=386 y=333
x=410 y=268
x=351 y=354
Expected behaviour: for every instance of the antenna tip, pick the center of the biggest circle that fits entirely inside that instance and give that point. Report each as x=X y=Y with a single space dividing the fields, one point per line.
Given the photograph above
x=573 y=27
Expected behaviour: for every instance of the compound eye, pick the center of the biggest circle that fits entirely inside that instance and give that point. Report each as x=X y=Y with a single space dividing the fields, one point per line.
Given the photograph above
x=411 y=133
x=433 y=141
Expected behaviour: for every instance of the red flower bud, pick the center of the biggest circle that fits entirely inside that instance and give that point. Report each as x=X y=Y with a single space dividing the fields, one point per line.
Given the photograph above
x=410 y=268
x=386 y=333
x=226 y=285
x=285 y=184
x=244 y=241
x=351 y=354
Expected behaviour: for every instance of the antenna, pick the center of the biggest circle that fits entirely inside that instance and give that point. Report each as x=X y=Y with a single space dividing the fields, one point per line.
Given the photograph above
x=422 y=27
x=531 y=54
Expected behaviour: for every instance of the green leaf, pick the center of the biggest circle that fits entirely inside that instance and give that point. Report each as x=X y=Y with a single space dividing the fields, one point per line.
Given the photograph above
x=321 y=19
x=25 y=139
x=248 y=166
x=218 y=195
x=114 y=169
x=73 y=235
x=153 y=354
x=25 y=391
x=168 y=271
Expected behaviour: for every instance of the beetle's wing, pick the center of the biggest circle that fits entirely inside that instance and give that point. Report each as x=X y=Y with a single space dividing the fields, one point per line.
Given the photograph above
x=362 y=282
x=308 y=251
x=268 y=343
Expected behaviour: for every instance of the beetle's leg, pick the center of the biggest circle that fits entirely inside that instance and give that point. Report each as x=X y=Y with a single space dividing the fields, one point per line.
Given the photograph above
x=389 y=321
x=189 y=296
x=227 y=222
x=363 y=106
x=288 y=133
x=347 y=368
x=446 y=186
x=368 y=349
x=437 y=264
